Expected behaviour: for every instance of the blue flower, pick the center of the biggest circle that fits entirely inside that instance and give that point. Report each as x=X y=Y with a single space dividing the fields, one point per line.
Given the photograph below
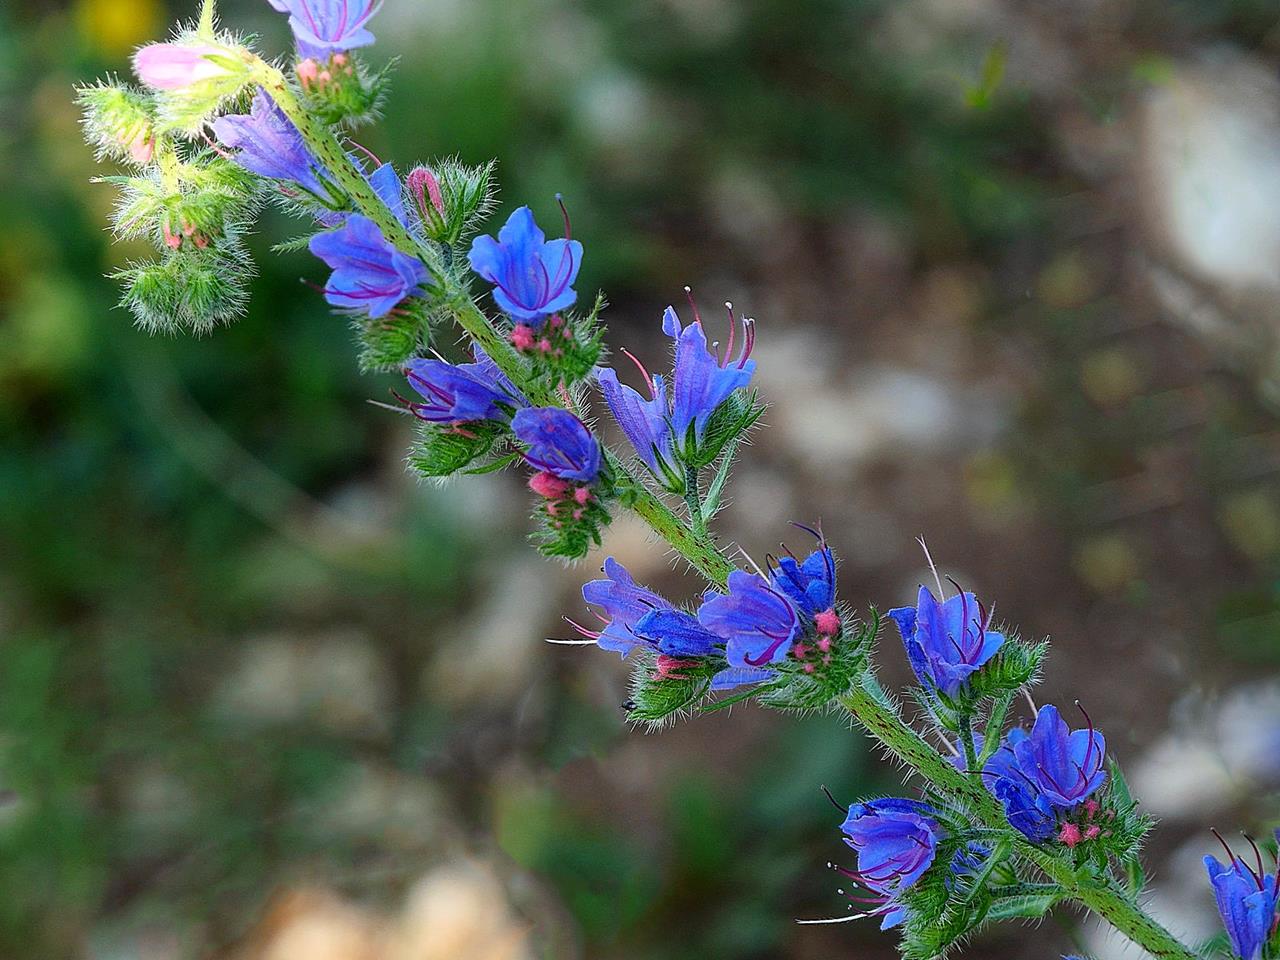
x=532 y=276
x=558 y=443
x=369 y=274
x=676 y=633
x=758 y=625
x=461 y=393
x=702 y=381
x=645 y=422
x=624 y=603
x=1039 y=774
x=268 y=144
x=1062 y=766
x=669 y=425
x=896 y=841
x=322 y=28
x=1247 y=901
x=809 y=584
x=946 y=642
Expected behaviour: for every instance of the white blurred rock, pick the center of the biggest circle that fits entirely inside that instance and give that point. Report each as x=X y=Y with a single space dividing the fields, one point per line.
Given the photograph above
x=1214 y=758
x=1211 y=160
x=459 y=912
x=337 y=680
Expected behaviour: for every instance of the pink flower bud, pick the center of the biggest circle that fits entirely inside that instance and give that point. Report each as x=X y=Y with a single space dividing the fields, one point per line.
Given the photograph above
x=172 y=66
x=308 y=71
x=424 y=186
x=827 y=623
x=522 y=337
x=1070 y=835
x=548 y=485
x=172 y=240
x=142 y=147
x=582 y=495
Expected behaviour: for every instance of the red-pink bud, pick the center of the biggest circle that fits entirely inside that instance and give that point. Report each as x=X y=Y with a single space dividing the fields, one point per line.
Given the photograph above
x=548 y=485
x=827 y=623
x=1070 y=835
x=582 y=495
x=1092 y=831
x=172 y=66
x=142 y=147
x=522 y=337
x=308 y=72
x=423 y=187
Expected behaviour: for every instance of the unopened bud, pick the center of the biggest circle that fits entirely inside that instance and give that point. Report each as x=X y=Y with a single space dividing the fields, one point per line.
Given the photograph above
x=424 y=187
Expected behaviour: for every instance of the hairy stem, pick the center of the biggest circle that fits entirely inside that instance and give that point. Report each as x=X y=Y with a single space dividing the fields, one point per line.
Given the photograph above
x=866 y=703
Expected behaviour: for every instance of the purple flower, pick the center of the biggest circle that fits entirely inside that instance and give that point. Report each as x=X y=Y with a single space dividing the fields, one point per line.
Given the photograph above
x=558 y=443
x=757 y=622
x=624 y=603
x=896 y=841
x=1062 y=766
x=461 y=393
x=532 y=276
x=369 y=274
x=946 y=642
x=1026 y=808
x=668 y=426
x=268 y=144
x=809 y=584
x=676 y=633
x=322 y=28
x=646 y=423
x=1247 y=901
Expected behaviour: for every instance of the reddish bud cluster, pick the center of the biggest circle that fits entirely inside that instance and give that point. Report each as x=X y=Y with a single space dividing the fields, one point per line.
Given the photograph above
x=312 y=74
x=565 y=499
x=549 y=341
x=173 y=239
x=827 y=624
x=1072 y=834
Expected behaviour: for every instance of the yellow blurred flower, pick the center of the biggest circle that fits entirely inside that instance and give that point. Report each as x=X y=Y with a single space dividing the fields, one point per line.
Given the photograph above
x=115 y=27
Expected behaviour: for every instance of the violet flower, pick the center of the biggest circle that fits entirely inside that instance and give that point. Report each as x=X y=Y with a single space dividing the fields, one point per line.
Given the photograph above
x=322 y=28
x=532 y=276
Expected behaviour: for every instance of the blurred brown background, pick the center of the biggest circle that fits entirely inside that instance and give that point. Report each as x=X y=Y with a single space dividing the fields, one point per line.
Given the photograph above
x=1017 y=271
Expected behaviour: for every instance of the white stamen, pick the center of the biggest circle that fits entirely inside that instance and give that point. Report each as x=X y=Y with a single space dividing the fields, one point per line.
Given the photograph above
x=942 y=594
x=568 y=643
x=852 y=916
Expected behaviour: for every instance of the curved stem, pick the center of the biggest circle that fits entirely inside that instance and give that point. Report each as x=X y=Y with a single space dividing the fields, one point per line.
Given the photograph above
x=868 y=706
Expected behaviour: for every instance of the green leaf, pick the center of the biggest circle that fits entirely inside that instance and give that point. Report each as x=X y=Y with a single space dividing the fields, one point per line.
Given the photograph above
x=1023 y=906
x=443 y=451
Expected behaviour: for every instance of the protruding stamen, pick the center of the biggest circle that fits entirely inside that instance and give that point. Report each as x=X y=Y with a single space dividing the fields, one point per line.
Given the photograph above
x=1088 y=753
x=942 y=594
x=593 y=634
x=688 y=293
x=749 y=332
x=728 y=347
x=835 y=803
x=564 y=212
x=644 y=372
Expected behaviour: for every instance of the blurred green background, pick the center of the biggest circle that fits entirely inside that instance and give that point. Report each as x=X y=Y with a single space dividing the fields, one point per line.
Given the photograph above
x=1017 y=270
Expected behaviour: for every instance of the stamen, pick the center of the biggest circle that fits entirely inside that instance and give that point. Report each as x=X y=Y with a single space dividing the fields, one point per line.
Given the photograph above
x=728 y=349
x=1231 y=857
x=1257 y=854
x=366 y=151
x=1089 y=750
x=568 y=233
x=749 y=331
x=569 y=642
x=593 y=634
x=688 y=292
x=852 y=916
x=942 y=594
x=644 y=372
x=839 y=806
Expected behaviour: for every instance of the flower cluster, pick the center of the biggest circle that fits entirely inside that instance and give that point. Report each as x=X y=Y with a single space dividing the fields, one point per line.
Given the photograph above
x=1018 y=820
x=758 y=623
x=669 y=429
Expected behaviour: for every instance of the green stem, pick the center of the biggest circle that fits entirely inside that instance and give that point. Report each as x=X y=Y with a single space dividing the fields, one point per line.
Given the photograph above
x=693 y=501
x=966 y=741
x=871 y=710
